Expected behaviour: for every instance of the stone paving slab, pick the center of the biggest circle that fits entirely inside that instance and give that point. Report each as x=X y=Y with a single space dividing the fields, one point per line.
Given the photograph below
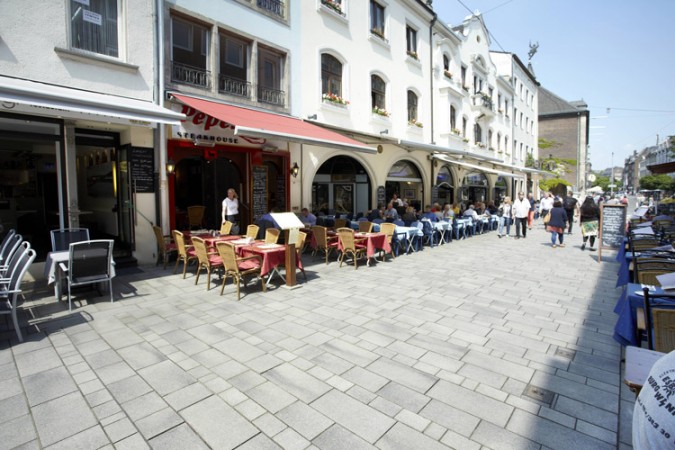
x=431 y=350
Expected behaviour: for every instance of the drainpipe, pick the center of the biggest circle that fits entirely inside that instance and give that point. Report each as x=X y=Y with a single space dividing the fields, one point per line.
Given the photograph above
x=160 y=131
x=431 y=95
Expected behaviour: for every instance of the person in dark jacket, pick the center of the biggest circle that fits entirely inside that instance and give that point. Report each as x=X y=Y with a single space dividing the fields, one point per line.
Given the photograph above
x=589 y=219
x=556 y=224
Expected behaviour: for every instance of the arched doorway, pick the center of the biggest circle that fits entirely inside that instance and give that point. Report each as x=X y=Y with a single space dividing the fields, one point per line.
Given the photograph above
x=444 y=190
x=341 y=186
x=404 y=179
x=500 y=190
x=474 y=188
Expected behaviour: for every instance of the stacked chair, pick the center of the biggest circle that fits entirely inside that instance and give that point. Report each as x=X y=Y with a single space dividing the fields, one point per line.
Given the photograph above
x=17 y=257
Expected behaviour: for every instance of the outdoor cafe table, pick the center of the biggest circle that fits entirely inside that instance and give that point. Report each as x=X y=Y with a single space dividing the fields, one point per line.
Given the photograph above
x=410 y=233
x=354 y=225
x=373 y=242
x=461 y=225
x=54 y=274
x=442 y=227
x=626 y=307
x=625 y=260
x=273 y=256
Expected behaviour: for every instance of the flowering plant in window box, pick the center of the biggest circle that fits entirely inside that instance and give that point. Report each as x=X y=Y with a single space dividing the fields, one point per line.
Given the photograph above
x=492 y=149
x=415 y=123
x=455 y=131
x=377 y=32
x=480 y=145
x=330 y=97
x=412 y=54
x=332 y=5
x=500 y=110
x=447 y=74
x=380 y=111
x=465 y=140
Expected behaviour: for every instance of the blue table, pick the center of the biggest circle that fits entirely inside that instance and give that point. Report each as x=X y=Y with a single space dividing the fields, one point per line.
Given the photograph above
x=630 y=300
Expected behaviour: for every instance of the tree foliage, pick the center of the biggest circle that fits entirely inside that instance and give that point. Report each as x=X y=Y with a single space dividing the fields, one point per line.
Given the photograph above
x=604 y=182
x=660 y=181
x=555 y=185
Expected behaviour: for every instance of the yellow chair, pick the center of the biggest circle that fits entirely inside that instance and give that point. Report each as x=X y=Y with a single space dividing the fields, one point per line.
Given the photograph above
x=195 y=216
x=164 y=245
x=349 y=246
x=271 y=236
x=185 y=253
x=252 y=231
x=226 y=228
x=208 y=261
x=323 y=243
x=340 y=223
x=238 y=268
x=388 y=229
x=365 y=226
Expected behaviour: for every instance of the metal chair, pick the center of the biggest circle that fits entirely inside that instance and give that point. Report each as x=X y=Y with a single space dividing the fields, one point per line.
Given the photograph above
x=61 y=239
x=5 y=242
x=89 y=262
x=9 y=292
x=164 y=245
x=9 y=249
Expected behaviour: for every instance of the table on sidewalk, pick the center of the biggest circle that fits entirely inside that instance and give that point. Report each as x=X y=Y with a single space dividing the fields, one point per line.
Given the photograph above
x=625 y=329
x=273 y=256
x=372 y=242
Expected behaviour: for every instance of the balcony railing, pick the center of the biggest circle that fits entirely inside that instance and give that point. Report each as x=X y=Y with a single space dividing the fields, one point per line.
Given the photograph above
x=272 y=6
x=272 y=96
x=182 y=73
x=233 y=86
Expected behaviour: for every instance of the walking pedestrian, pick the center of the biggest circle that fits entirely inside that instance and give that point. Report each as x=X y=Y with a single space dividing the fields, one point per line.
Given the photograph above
x=571 y=205
x=504 y=213
x=589 y=217
x=530 y=214
x=520 y=210
x=556 y=224
x=230 y=210
x=545 y=205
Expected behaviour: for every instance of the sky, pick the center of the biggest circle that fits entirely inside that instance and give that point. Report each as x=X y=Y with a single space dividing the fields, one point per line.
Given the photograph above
x=616 y=55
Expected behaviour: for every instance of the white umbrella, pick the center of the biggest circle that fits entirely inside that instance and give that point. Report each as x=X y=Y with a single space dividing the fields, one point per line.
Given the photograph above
x=595 y=190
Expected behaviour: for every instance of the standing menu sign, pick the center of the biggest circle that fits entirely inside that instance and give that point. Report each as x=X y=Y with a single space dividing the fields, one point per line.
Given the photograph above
x=142 y=169
x=381 y=197
x=259 y=197
x=612 y=227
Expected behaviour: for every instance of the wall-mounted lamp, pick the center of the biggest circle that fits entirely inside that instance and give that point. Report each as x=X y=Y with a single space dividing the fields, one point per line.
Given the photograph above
x=312 y=117
x=295 y=169
x=385 y=131
x=170 y=167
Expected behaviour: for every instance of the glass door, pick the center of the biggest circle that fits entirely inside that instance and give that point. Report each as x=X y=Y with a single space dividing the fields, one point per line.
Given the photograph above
x=124 y=244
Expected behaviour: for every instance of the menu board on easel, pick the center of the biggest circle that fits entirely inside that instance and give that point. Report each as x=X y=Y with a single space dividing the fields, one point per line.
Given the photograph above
x=142 y=168
x=612 y=227
x=259 y=196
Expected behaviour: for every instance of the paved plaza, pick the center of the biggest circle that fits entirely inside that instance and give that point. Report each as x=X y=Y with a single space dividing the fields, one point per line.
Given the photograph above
x=481 y=343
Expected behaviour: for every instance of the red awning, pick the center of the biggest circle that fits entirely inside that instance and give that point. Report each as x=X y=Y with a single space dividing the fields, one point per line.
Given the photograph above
x=249 y=122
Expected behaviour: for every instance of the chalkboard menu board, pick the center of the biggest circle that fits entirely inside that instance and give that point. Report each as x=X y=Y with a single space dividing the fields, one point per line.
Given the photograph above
x=259 y=197
x=142 y=168
x=434 y=194
x=281 y=194
x=612 y=226
x=381 y=197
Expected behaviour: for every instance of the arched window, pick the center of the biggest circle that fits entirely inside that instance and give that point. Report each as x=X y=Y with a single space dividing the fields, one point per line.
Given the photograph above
x=477 y=133
x=453 y=118
x=377 y=91
x=489 y=143
x=412 y=106
x=475 y=179
x=331 y=75
x=499 y=141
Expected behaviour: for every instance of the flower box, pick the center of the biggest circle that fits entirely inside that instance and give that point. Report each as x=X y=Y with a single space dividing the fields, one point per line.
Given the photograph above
x=447 y=74
x=492 y=149
x=455 y=131
x=414 y=122
x=334 y=6
x=380 y=111
x=377 y=33
x=412 y=54
x=332 y=98
x=480 y=145
x=465 y=140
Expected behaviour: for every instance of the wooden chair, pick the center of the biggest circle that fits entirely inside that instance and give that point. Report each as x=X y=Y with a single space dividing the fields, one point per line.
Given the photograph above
x=206 y=260
x=646 y=269
x=238 y=268
x=185 y=253
x=388 y=229
x=271 y=235
x=252 y=231
x=365 y=226
x=660 y=317
x=323 y=243
x=349 y=246
x=340 y=223
x=164 y=246
x=226 y=228
x=299 y=246
x=195 y=216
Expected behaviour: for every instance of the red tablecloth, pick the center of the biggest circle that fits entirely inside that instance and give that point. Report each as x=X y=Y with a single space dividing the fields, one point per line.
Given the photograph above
x=373 y=241
x=211 y=240
x=331 y=236
x=271 y=256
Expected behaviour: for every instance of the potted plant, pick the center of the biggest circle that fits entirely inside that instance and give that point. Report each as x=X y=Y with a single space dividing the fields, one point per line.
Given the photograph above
x=332 y=5
x=455 y=131
x=447 y=74
x=465 y=140
x=414 y=122
x=332 y=98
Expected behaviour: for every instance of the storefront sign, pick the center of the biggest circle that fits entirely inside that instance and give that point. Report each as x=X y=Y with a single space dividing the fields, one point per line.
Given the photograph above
x=199 y=126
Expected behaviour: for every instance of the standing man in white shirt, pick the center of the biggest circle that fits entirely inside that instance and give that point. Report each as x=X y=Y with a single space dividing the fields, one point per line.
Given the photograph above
x=546 y=205
x=521 y=208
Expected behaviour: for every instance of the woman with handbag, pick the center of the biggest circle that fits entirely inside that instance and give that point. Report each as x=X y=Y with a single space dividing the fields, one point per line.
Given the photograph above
x=557 y=219
x=504 y=214
x=589 y=219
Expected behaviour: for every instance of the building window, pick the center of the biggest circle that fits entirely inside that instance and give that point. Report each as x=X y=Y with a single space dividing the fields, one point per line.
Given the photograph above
x=94 y=26
x=464 y=123
x=377 y=91
x=477 y=134
x=499 y=142
x=376 y=19
x=466 y=88
x=411 y=41
x=506 y=144
x=331 y=75
x=446 y=63
x=453 y=119
x=270 y=77
x=506 y=107
x=272 y=6
x=412 y=107
x=189 y=53
x=234 y=57
x=489 y=142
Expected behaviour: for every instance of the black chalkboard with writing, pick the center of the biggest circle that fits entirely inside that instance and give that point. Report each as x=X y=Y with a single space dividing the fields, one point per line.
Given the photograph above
x=259 y=197
x=381 y=197
x=434 y=194
x=142 y=168
x=612 y=225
